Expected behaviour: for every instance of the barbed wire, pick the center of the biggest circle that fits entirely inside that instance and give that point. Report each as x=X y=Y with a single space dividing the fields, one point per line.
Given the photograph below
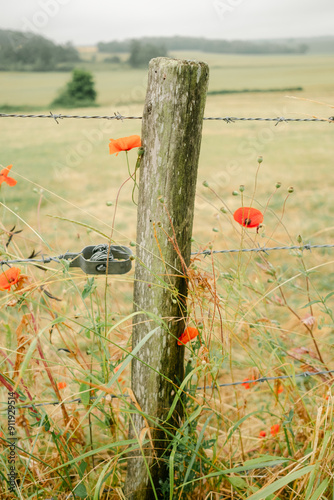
x=58 y=258
x=118 y=116
x=44 y=260
x=263 y=249
x=266 y=379
x=214 y=386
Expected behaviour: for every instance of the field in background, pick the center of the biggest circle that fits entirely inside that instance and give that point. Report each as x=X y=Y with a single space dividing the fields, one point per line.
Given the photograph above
x=65 y=170
x=72 y=158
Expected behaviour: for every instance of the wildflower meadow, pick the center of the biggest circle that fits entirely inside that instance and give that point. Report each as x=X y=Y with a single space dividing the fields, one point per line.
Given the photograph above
x=253 y=412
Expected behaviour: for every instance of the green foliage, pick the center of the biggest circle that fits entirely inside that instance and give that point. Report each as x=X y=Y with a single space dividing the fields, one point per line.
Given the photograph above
x=30 y=52
x=141 y=54
x=79 y=91
x=113 y=60
x=218 y=46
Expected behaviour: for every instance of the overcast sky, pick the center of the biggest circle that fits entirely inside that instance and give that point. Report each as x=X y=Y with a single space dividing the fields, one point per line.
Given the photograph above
x=85 y=22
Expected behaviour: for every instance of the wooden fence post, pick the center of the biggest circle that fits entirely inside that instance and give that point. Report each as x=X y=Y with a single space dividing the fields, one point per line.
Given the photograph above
x=171 y=138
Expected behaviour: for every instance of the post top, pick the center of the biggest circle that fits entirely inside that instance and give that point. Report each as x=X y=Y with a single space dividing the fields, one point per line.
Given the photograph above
x=171 y=61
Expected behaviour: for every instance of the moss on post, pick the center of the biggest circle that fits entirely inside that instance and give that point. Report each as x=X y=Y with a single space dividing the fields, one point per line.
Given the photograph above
x=171 y=137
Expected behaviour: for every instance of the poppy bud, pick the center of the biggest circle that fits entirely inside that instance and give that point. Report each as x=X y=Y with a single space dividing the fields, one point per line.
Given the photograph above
x=235 y=193
x=242 y=188
x=205 y=184
x=132 y=243
x=260 y=159
x=299 y=238
x=215 y=230
x=109 y=203
x=222 y=209
x=290 y=189
x=278 y=185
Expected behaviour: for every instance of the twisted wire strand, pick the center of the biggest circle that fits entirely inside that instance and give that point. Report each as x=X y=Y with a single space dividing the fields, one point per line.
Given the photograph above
x=214 y=386
x=118 y=116
x=263 y=249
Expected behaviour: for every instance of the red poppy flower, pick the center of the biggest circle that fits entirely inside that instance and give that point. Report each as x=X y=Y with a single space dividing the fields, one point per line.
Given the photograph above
x=9 y=278
x=188 y=334
x=61 y=385
x=4 y=176
x=247 y=385
x=279 y=389
x=274 y=429
x=262 y=434
x=124 y=144
x=248 y=217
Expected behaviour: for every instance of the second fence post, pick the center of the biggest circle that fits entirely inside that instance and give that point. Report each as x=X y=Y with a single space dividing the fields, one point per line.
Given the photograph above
x=171 y=138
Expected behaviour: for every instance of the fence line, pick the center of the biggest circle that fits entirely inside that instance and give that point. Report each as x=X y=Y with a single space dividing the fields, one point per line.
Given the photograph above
x=118 y=116
x=47 y=259
x=214 y=386
x=264 y=249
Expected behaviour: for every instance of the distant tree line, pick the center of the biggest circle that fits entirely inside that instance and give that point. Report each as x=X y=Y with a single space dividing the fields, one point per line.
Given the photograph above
x=30 y=52
x=205 y=45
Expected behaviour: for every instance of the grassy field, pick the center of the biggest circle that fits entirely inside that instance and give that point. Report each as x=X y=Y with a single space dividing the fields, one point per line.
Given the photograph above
x=65 y=170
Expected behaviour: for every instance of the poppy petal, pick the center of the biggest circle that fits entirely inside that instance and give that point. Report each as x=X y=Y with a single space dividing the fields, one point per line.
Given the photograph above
x=9 y=278
x=10 y=181
x=114 y=147
x=274 y=429
x=188 y=334
x=5 y=171
x=133 y=141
